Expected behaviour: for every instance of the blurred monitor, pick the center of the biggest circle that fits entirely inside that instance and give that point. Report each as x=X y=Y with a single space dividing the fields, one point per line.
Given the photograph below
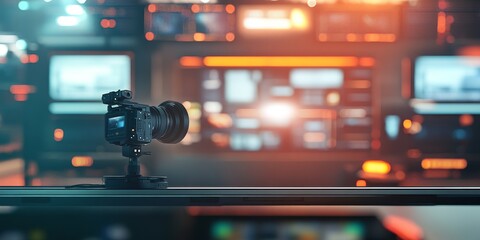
x=87 y=77
x=286 y=109
x=447 y=78
x=77 y=81
x=447 y=85
x=190 y=22
x=354 y=25
x=168 y=24
x=212 y=23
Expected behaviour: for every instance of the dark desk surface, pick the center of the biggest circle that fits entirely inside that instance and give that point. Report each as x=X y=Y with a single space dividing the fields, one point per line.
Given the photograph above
x=198 y=196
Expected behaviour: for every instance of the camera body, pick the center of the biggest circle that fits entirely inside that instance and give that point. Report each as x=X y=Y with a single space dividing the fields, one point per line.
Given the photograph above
x=126 y=122
x=131 y=123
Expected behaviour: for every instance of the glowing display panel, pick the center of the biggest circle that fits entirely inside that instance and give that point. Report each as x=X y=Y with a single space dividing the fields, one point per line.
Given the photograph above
x=447 y=78
x=263 y=20
x=87 y=77
x=361 y=24
x=190 y=22
x=282 y=108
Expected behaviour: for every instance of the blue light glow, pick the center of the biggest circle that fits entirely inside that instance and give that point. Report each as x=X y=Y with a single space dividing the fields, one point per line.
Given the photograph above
x=23 y=5
x=392 y=126
x=21 y=44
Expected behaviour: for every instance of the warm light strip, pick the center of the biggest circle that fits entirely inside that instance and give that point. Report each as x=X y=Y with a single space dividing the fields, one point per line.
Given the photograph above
x=82 y=161
x=279 y=61
x=376 y=167
x=444 y=163
x=246 y=113
x=362 y=84
x=378 y=37
x=441 y=22
x=262 y=23
x=191 y=61
x=315 y=113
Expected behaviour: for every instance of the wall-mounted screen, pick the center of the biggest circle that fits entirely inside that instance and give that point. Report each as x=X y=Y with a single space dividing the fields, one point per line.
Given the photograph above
x=243 y=104
x=357 y=25
x=260 y=21
x=447 y=78
x=87 y=77
x=190 y=22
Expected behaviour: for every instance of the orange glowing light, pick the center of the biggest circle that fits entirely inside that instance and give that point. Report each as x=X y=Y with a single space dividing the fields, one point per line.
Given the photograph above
x=315 y=113
x=108 y=23
x=444 y=163
x=149 y=36
x=152 y=8
x=470 y=51
x=220 y=120
x=403 y=228
x=112 y=23
x=82 y=161
x=415 y=128
x=199 y=37
x=367 y=62
x=33 y=58
x=298 y=19
x=20 y=97
x=376 y=167
x=220 y=139
x=246 y=113
x=377 y=37
x=361 y=183
x=441 y=22
x=322 y=37
x=21 y=89
x=333 y=98
x=442 y=4
x=188 y=61
x=105 y=23
x=280 y=61
x=17 y=179
x=58 y=134
x=195 y=8
x=360 y=84
x=230 y=37
x=352 y=37
x=230 y=8
x=466 y=120
x=407 y=123
x=314 y=137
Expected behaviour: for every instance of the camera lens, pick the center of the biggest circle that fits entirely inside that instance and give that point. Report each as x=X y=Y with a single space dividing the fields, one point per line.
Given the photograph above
x=170 y=122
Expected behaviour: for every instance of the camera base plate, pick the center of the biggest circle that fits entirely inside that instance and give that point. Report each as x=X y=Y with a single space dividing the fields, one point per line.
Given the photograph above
x=135 y=182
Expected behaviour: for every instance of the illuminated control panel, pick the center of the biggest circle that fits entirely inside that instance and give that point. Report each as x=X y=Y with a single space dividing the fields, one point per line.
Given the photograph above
x=290 y=103
x=190 y=22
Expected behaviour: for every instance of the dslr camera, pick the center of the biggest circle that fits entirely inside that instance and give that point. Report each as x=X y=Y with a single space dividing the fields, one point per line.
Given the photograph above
x=131 y=123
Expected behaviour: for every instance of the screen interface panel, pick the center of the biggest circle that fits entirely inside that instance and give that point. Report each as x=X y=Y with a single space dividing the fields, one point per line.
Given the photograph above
x=86 y=77
x=287 y=108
